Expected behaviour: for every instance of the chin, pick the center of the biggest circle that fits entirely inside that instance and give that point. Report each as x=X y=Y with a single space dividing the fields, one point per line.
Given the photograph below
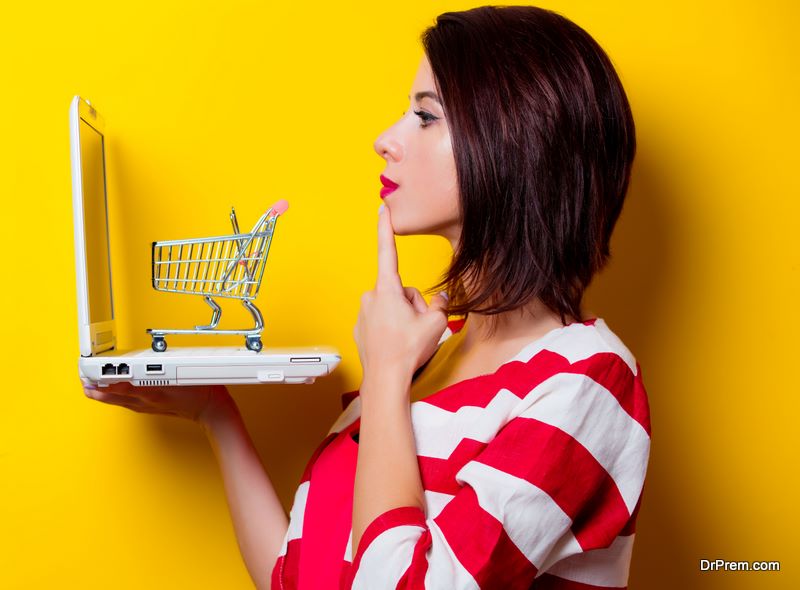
x=410 y=217
x=404 y=226
x=401 y=229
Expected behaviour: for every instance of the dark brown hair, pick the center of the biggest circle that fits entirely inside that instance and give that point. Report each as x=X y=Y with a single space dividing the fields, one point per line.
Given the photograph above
x=544 y=141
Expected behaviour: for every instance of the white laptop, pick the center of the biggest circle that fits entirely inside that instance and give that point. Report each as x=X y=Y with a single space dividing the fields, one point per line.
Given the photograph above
x=234 y=273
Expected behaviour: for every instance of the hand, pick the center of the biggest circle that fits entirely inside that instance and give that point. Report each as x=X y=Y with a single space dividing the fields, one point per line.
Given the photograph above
x=196 y=403
x=396 y=329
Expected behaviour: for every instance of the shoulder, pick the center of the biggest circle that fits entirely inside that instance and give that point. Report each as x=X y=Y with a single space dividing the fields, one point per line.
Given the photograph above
x=579 y=347
x=591 y=340
x=587 y=364
x=586 y=391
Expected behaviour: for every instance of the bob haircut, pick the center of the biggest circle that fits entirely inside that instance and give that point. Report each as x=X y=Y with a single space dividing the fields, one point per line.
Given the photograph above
x=544 y=141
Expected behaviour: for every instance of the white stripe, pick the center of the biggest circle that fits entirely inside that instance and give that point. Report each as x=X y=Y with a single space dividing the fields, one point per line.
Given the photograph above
x=445 y=335
x=348 y=551
x=616 y=345
x=445 y=571
x=567 y=545
x=530 y=517
x=589 y=413
x=387 y=558
x=438 y=432
x=346 y=418
x=577 y=342
x=601 y=567
x=295 y=517
x=434 y=502
x=284 y=545
x=297 y=511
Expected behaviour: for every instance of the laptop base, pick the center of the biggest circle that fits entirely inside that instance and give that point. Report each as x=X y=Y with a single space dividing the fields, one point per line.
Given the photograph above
x=209 y=366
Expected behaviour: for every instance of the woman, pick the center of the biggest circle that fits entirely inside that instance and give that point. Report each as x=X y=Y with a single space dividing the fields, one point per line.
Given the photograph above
x=508 y=448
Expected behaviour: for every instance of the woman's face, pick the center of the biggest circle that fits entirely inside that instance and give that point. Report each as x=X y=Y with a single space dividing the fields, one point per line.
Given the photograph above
x=419 y=159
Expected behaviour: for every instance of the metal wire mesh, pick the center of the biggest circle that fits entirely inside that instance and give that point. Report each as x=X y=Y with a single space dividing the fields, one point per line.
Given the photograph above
x=226 y=266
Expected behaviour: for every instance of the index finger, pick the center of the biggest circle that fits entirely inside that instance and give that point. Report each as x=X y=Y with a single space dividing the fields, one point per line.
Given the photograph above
x=388 y=276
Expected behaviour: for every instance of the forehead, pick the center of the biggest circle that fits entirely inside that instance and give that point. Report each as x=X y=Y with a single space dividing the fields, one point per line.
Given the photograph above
x=424 y=77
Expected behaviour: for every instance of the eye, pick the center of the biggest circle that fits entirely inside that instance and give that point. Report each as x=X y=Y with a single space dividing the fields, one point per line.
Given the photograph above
x=426 y=118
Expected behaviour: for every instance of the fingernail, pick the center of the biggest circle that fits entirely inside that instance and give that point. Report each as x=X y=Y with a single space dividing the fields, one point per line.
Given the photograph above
x=380 y=209
x=444 y=294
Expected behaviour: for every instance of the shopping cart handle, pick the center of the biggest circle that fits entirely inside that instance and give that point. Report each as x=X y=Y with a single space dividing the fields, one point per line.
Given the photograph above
x=279 y=208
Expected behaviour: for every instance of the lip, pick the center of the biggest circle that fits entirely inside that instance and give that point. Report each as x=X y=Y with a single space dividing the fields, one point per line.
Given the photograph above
x=389 y=186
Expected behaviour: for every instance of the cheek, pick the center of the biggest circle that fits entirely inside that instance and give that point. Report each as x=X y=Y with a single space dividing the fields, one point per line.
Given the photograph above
x=437 y=188
x=446 y=181
x=432 y=207
x=430 y=200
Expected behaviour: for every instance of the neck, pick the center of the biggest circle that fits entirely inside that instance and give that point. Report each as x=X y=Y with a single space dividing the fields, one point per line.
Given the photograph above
x=530 y=320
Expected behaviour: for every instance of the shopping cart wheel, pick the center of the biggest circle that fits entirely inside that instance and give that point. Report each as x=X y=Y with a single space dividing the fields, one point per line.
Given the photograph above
x=254 y=344
x=159 y=344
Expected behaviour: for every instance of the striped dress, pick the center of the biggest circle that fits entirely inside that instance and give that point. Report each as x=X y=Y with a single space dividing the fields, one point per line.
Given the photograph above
x=533 y=477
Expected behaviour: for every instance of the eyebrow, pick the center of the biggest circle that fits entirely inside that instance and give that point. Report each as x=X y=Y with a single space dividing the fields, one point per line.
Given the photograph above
x=426 y=94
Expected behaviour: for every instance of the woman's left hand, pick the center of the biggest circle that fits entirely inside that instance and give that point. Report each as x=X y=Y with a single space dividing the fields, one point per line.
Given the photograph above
x=396 y=329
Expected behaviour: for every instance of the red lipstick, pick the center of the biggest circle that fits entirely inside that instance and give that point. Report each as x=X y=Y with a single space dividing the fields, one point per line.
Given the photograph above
x=388 y=186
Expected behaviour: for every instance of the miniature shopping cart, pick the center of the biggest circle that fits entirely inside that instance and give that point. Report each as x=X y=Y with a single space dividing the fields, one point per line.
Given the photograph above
x=223 y=267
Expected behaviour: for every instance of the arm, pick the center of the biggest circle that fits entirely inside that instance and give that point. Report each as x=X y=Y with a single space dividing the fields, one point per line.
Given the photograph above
x=387 y=475
x=396 y=333
x=259 y=520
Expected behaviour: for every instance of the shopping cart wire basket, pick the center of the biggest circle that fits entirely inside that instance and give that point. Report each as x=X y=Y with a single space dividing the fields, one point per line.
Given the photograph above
x=223 y=267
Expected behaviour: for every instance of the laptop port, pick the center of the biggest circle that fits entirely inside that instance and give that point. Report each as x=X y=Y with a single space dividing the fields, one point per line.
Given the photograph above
x=109 y=369
x=155 y=369
x=123 y=369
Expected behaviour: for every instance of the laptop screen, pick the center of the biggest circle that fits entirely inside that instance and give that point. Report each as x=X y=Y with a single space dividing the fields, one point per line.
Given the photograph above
x=95 y=219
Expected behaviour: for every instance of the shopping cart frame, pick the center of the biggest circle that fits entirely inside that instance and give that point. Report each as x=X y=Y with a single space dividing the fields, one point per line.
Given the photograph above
x=229 y=267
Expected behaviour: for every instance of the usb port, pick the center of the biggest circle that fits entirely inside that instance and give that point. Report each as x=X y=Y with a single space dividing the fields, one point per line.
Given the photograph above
x=109 y=369
x=123 y=369
x=155 y=368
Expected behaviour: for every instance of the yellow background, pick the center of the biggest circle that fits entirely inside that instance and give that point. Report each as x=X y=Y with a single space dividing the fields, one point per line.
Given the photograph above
x=213 y=104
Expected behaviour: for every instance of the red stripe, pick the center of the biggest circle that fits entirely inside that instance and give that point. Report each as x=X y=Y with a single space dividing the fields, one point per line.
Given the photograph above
x=276 y=583
x=456 y=325
x=346 y=575
x=613 y=373
x=551 y=582
x=559 y=465
x=630 y=526
x=606 y=368
x=482 y=546
x=439 y=475
x=404 y=515
x=348 y=397
x=517 y=377
x=285 y=572
x=309 y=466
x=414 y=576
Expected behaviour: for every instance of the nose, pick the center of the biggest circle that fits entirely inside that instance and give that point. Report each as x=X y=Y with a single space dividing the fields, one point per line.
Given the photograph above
x=388 y=146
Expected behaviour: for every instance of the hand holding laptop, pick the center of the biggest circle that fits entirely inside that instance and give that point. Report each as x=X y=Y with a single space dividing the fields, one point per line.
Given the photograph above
x=194 y=402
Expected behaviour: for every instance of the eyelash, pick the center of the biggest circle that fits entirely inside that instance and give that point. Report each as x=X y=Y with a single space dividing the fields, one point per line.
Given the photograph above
x=426 y=118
